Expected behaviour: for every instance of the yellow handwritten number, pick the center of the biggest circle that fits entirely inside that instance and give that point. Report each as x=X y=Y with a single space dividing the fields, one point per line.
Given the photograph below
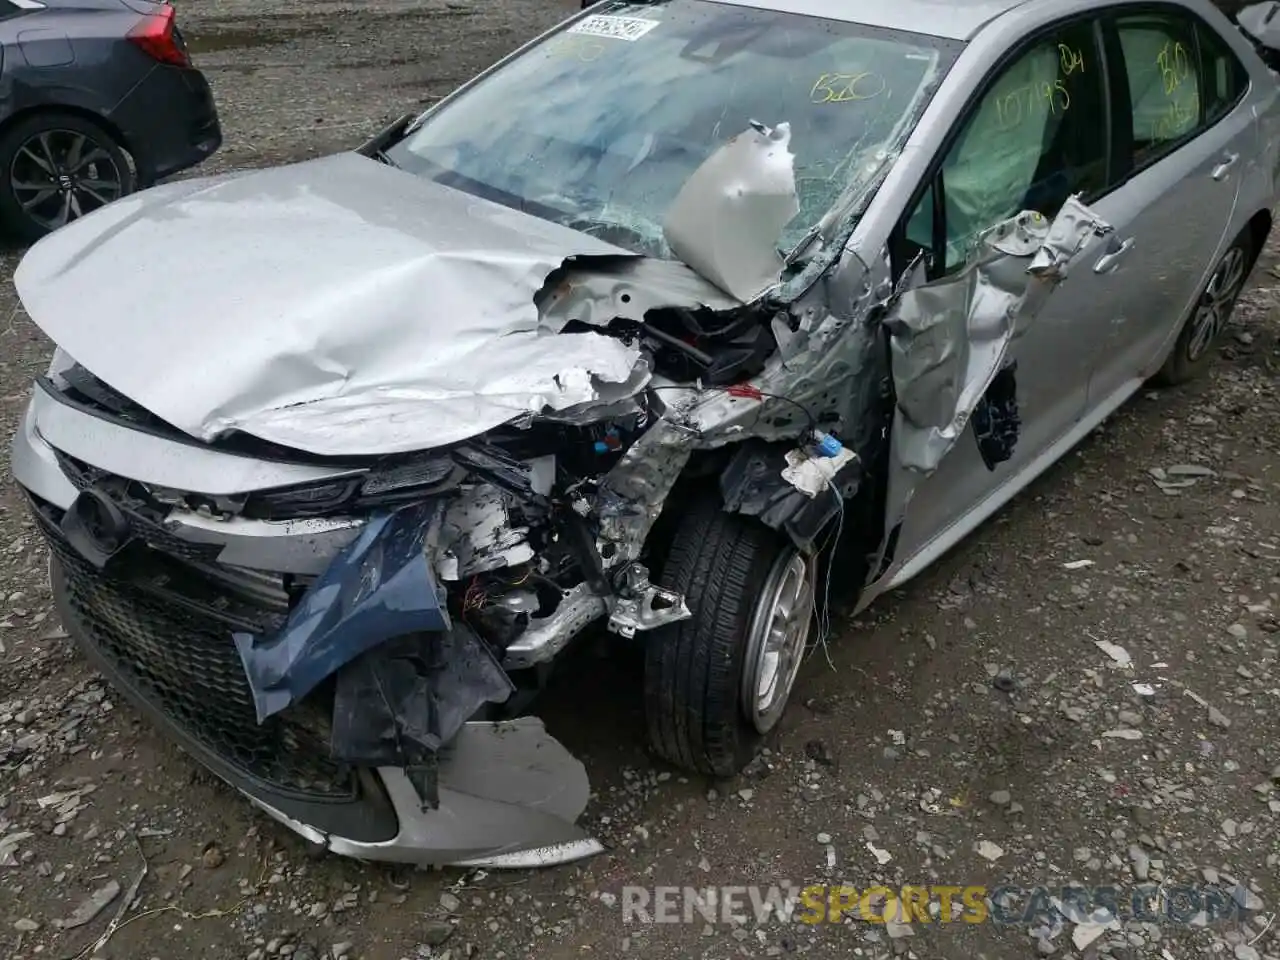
x=1072 y=60
x=1174 y=66
x=1173 y=123
x=846 y=87
x=1034 y=99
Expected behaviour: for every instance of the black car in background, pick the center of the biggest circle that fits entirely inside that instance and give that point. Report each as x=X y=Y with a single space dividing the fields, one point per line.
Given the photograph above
x=97 y=99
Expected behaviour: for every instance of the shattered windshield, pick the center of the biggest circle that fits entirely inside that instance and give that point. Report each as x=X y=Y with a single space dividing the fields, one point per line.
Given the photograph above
x=598 y=126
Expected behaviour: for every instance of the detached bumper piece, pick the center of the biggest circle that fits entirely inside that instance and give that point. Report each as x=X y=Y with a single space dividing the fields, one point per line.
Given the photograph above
x=347 y=719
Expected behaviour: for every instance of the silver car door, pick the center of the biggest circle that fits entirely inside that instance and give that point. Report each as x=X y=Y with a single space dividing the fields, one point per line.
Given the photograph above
x=1186 y=135
x=1032 y=140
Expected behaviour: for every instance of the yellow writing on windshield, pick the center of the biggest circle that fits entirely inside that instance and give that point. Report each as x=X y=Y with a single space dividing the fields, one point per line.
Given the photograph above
x=1174 y=66
x=1031 y=100
x=1072 y=61
x=846 y=87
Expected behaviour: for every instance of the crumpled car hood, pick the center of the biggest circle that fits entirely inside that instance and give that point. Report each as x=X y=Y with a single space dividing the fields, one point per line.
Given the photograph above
x=338 y=306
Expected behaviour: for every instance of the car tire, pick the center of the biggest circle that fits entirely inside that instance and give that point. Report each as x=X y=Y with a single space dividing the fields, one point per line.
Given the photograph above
x=1194 y=351
x=37 y=152
x=700 y=673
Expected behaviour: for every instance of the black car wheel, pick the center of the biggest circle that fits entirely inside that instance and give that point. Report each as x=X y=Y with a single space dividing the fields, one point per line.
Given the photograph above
x=717 y=683
x=1203 y=330
x=57 y=167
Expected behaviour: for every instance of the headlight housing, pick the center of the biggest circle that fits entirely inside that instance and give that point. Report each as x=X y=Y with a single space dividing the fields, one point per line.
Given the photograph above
x=377 y=487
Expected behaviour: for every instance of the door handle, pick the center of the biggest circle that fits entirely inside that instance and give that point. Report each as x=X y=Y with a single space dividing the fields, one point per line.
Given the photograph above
x=1220 y=171
x=1115 y=251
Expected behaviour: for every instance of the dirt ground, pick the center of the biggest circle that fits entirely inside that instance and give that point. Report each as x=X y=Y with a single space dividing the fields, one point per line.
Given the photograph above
x=1084 y=692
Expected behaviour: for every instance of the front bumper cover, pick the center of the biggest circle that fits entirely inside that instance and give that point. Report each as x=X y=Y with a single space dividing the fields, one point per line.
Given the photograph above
x=502 y=794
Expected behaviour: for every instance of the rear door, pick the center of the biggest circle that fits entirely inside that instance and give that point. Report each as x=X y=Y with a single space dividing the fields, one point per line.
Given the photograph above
x=1184 y=137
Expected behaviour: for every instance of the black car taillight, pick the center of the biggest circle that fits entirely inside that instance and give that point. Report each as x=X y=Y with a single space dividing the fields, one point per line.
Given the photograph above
x=158 y=37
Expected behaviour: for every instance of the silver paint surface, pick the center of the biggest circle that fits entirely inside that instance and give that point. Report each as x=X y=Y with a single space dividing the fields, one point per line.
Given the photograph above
x=727 y=218
x=509 y=796
x=405 y=320
x=950 y=337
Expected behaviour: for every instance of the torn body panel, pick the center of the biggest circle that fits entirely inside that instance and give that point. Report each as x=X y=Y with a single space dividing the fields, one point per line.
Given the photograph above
x=508 y=796
x=950 y=337
x=728 y=217
x=951 y=343
x=407 y=321
x=380 y=586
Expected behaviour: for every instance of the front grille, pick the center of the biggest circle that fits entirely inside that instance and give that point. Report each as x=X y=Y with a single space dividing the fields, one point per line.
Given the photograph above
x=177 y=655
x=145 y=515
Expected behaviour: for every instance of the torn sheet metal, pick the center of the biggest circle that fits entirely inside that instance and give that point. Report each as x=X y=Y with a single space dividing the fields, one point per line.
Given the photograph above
x=380 y=586
x=831 y=365
x=599 y=290
x=631 y=497
x=398 y=703
x=406 y=321
x=727 y=220
x=950 y=337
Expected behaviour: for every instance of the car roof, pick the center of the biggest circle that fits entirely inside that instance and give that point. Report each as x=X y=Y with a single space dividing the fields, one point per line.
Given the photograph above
x=952 y=19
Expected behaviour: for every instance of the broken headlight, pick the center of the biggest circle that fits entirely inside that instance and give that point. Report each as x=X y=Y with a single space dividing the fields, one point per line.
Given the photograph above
x=380 y=487
x=311 y=500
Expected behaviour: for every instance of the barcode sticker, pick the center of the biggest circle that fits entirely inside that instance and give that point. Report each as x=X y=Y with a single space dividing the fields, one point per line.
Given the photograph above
x=613 y=27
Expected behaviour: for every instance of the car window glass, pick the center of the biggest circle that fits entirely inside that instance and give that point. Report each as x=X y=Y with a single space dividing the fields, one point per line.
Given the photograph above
x=1225 y=77
x=600 y=131
x=1036 y=136
x=1164 y=81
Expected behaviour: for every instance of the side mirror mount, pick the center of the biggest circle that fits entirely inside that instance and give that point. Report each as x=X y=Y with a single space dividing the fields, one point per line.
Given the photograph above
x=1260 y=23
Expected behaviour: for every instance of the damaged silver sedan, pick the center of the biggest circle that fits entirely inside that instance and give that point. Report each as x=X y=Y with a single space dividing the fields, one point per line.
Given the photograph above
x=645 y=328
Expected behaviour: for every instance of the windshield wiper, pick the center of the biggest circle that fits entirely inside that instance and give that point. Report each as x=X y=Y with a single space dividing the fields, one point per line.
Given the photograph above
x=375 y=148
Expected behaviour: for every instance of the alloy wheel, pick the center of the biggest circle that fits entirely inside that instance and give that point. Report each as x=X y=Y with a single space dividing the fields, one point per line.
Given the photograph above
x=59 y=175
x=776 y=640
x=1214 y=309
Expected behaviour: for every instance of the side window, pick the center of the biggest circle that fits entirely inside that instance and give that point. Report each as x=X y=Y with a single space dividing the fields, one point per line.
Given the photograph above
x=1036 y=135
x=1182 y=78
x=1225 y=77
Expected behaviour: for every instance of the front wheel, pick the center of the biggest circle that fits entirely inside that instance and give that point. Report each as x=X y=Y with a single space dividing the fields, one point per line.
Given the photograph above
x=717 y=682
x=1203 y=330
x=56 y=167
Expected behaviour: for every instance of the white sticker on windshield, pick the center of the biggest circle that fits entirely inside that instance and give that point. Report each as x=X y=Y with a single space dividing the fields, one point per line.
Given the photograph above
x=613 y=27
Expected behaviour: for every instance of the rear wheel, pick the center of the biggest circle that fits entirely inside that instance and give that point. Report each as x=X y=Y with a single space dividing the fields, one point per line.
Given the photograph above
x=1193 y=353
x=718 y=682
x=56 y=167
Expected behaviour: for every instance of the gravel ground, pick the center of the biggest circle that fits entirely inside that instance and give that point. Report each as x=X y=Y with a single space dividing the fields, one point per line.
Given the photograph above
x=1082 y=693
